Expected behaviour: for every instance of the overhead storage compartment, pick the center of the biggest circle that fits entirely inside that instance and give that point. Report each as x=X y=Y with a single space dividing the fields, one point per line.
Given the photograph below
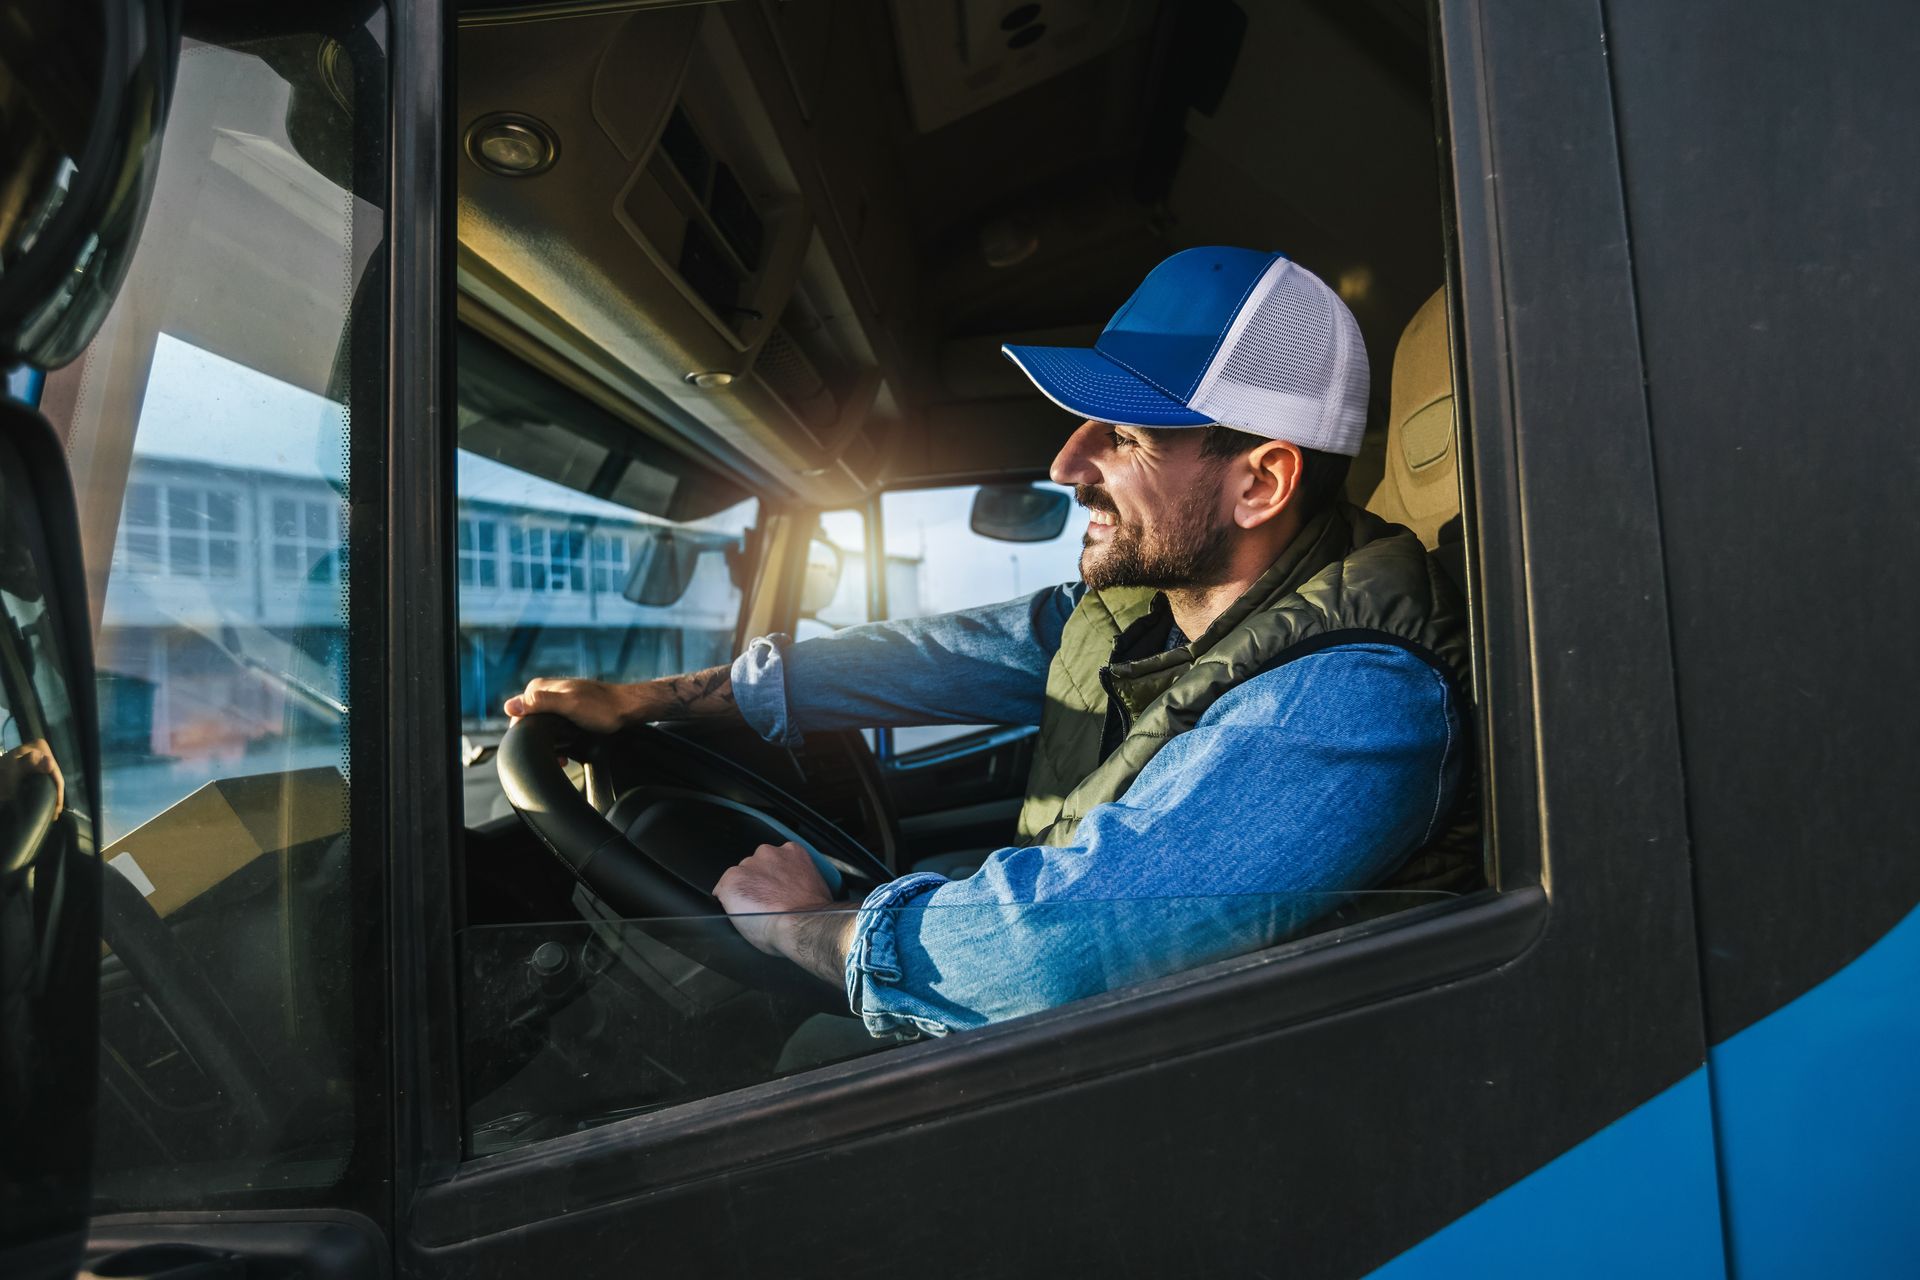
x=667 y=247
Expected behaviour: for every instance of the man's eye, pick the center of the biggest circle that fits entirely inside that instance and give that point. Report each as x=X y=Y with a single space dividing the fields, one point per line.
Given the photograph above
x=1117 y=439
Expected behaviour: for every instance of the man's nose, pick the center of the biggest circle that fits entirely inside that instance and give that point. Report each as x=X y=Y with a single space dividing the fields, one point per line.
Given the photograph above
x=1075 y=463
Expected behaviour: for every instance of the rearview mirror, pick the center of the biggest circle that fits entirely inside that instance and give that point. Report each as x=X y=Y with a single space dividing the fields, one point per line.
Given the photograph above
x=824 y=567
x=1019 y=512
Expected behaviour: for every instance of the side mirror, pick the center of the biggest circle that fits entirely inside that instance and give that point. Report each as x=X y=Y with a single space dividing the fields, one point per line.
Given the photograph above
x=742 y=556
x=824 y=567
x=87 y=86
x=1019 y=512
x=663 y=568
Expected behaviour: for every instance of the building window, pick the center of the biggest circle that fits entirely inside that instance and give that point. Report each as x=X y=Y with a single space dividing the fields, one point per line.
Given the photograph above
x=609 y=562
x=186 y=531
x=527 y=550
x=305 y=537
x=479 y=553
x=543 y=558
x=140 y=529
x=566 y=560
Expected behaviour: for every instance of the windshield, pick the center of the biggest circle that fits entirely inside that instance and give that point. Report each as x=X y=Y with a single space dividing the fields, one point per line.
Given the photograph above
x=585 y=549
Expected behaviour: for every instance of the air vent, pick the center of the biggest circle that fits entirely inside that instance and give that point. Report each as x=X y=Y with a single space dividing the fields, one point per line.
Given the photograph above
x=705 y=268
x=784 y=369
x=688 y=197
x=682 y=145
x=734 y=215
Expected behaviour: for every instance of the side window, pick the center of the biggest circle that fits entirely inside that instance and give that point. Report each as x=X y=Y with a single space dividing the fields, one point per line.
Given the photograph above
x=590 y=552
x=945 y=566
x=216 y=428
x=574 y=1022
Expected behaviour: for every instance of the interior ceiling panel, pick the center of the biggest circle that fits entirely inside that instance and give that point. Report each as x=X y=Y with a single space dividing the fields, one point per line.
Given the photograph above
x=959 y=57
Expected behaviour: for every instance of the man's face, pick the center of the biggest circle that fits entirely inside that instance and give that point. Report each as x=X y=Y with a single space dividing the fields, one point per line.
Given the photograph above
x=1160 y=515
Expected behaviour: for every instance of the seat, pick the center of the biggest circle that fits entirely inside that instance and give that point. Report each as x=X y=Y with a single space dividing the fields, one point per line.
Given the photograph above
x=1419 y=485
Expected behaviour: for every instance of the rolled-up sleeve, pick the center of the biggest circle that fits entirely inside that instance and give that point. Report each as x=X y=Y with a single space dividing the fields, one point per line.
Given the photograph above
x=1294 y=790
x=976 y=666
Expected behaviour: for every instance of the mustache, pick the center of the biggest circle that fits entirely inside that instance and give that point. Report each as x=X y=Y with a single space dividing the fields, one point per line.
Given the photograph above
x=1094 y=498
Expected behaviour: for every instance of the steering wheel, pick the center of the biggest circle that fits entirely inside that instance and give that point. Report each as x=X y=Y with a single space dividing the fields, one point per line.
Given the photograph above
x=664 y=842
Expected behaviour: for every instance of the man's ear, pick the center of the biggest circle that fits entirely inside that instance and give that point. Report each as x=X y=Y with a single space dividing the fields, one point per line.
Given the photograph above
x=1269 y=478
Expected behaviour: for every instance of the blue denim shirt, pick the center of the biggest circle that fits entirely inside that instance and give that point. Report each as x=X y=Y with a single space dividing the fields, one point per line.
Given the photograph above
x=1303 y=784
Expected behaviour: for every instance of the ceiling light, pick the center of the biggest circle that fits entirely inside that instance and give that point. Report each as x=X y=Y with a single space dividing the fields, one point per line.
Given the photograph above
x=1354 y=285
x=513 y=146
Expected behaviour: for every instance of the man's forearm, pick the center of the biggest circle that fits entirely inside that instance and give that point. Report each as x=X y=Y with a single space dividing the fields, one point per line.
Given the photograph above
x=695 y=695
x=986 y=665
x=818 y=942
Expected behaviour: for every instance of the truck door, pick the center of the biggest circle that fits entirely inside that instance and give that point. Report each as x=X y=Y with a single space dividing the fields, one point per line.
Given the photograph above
x=217 y=383
x=81 y=87
x=1800 y=736
x=1510 y=1083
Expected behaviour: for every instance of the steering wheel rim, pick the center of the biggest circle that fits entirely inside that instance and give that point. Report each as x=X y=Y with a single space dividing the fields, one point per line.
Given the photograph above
x=624 y=857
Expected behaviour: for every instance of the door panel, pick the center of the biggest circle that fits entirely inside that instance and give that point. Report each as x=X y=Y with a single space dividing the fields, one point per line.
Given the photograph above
x=964 y=773
x=960 y=800
x=1778 y=315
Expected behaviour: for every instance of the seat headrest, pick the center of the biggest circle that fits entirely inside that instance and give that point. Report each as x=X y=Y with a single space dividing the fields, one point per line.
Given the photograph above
x=1420 y=488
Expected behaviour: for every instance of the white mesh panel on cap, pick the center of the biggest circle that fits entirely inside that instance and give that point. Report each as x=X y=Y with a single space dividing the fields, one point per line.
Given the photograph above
x=1292 y=366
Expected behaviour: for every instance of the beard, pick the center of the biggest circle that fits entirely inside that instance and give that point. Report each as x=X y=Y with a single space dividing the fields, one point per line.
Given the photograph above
x=1188 y=547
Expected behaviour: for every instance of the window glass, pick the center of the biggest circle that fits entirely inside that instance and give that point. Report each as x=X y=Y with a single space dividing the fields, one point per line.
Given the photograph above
x=945 y=566
x=591 y=551
x=212 y=427
x=568 y=1025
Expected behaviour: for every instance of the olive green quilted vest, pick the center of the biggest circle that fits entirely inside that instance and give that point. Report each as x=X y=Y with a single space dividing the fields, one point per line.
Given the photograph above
x=1349 y=577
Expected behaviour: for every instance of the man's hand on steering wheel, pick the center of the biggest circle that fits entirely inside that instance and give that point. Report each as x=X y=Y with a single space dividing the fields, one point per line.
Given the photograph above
x=600 y=707
x=594 y=705
x=649 y=862
x=776 y=899
x=28 y=758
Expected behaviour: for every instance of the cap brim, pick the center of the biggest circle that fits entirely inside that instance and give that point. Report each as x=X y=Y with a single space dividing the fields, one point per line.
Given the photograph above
x=1082 y=381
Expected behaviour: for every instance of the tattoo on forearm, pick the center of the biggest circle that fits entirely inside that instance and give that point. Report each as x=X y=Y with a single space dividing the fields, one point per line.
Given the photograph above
x=698 y=693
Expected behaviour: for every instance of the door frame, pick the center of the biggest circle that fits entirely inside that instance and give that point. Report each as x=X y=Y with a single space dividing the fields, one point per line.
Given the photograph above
x=418 y=773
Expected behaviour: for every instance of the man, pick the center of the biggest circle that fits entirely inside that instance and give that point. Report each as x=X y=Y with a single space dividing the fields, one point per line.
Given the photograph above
x=1249 y=706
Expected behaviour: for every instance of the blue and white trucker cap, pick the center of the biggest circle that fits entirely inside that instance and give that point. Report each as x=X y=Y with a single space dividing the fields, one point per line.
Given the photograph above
x=1249 y=340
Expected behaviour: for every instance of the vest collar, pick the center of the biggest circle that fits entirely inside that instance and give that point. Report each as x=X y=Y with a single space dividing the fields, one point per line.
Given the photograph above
x=1142 y=666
